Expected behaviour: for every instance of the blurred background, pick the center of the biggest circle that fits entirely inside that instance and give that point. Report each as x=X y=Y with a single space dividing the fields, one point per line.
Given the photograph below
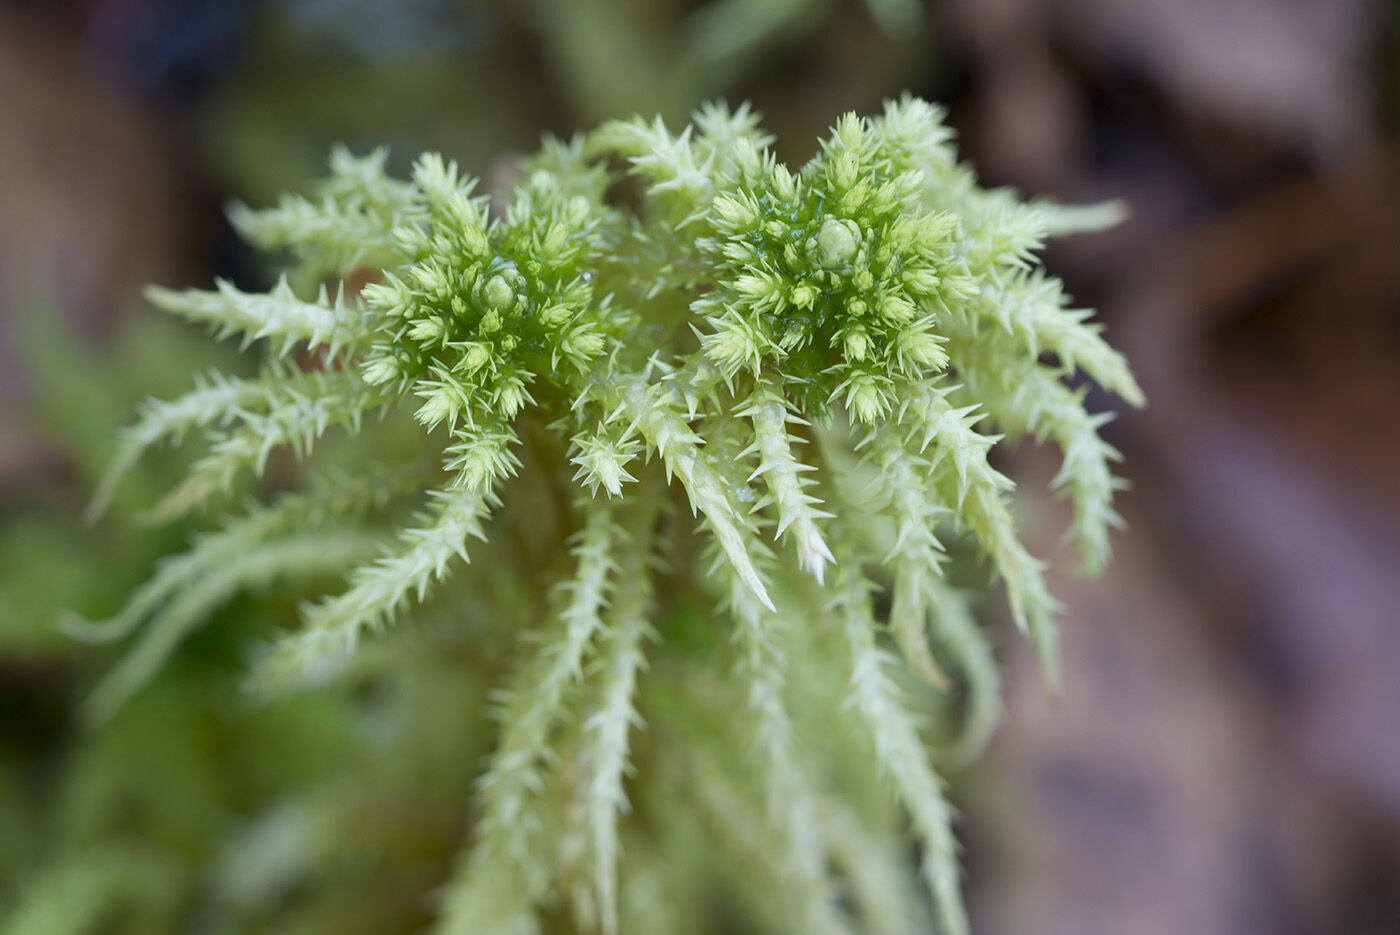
x=1225 y=756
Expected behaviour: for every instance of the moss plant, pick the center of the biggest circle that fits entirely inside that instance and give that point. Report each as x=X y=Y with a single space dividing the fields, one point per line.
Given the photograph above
x=649 y=327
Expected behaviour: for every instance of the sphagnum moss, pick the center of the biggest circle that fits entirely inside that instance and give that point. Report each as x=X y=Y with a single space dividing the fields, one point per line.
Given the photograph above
x=818 y=358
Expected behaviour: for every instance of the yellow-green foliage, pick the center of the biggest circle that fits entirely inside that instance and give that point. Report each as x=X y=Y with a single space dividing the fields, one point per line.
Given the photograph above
x=818 y=359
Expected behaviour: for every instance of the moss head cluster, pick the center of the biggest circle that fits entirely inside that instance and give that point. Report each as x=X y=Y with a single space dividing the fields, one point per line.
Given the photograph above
x=484 y=308
x=833 y=277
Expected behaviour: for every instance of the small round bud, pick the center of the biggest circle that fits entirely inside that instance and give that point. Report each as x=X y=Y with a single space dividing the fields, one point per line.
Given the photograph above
x=584 y=343
x=381 y=370
x=803 y=296
x=556 y=316
x=921 y=280
x=844 y=173
x=474 y=242
x=922 y=350
x=730 y=347
x=795 y=335
x=784 y=184
x=440 y=406
x=896 y=308
x=426 y=330
x=837 y=242
x=476 y=357
x=511 y=398
x=384 y=296
x=733 y=212
x=498 y=293
x=865 y=401
x=429 y=278
x=556 y=238
x=857 y=344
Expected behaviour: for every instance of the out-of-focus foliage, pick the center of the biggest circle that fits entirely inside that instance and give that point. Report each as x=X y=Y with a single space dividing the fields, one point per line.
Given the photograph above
x=416 y=74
